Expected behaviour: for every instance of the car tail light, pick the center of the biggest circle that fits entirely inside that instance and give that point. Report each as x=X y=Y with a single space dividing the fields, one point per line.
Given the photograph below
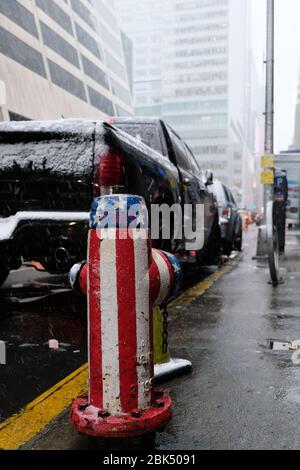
x=109 y=174
x=226 y=213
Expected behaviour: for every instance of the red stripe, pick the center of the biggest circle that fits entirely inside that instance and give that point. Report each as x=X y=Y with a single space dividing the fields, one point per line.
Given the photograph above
x=95 y=346
x=127 y=324
x=154 y=275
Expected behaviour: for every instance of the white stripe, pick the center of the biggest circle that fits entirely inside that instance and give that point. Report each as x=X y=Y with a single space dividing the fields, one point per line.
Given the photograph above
x=109 y=325
x=88 y=312
x=165 y=280
x=142 y=317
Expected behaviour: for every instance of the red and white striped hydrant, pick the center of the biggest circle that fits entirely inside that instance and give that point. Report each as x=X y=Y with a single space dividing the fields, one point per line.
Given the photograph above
x=123 y=279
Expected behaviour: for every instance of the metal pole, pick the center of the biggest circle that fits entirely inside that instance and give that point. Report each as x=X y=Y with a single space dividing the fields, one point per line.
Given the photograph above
x=269 y=118
x=268 y=237
x=262 y=245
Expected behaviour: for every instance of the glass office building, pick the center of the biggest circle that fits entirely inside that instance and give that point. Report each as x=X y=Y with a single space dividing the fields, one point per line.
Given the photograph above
x=192 y=66
x=296 y=140
x=61 y=58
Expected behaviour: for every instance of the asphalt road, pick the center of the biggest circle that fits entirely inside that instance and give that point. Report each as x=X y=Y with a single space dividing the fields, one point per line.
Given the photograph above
x=34 y=308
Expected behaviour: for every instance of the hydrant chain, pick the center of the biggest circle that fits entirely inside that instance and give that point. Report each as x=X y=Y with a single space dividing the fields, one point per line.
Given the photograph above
x=165 y=344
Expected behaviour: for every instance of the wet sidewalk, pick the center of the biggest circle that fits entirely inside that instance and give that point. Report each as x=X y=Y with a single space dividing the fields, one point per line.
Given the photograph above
x=241 y=394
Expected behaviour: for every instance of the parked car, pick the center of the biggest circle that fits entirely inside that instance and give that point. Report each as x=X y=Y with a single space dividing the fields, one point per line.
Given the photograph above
x=231 y=222
x=50 y=172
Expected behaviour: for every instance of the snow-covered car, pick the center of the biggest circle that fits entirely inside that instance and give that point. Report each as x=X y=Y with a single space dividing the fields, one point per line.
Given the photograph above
x=50 y=172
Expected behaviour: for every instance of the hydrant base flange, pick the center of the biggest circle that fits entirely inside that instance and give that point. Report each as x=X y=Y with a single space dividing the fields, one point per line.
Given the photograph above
x=94 y=422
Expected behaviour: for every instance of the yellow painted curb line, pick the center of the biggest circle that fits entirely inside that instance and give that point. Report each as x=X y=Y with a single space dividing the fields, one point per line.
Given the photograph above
x=199 y=289
x=22 y=427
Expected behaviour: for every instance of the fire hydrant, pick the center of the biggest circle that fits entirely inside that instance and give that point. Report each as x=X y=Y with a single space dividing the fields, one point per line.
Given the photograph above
x=124 y=278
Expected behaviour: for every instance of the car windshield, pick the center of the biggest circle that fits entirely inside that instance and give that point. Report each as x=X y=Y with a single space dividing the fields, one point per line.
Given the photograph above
x=146 y=133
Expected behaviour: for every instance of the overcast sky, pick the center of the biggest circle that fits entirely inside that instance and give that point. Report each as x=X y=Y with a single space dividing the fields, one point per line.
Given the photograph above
x=287 y=55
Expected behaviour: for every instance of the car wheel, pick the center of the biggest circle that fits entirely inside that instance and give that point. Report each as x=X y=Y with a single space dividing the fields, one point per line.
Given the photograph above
x=214 y=256
x=228 y=246
x=4 y=272
x=239 y=242
x=52 y=267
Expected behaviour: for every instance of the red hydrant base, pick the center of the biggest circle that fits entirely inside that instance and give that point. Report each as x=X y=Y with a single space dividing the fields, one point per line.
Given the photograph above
x=98 y=423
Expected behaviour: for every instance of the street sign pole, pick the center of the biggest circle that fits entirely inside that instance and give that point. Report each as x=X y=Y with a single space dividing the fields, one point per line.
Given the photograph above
x=269 y=123
x=267 y=245
x=269 y=118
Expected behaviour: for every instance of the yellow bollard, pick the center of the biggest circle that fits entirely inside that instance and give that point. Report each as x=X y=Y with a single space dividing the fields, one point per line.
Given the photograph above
x=161 y=355
x=165 y=367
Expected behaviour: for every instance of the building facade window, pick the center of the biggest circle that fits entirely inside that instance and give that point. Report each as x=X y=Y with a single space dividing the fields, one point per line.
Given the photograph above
x=200 y=91
x=122 y=112
x=88 y=42
x=56 y=13
x=66 y=80
x=94 y=72
x=210 y=149
x=17 y=117
x=59 y=45
x=85 y=14
x=19 y=15
x=115 y=66
x=119 y=91
x=111 y=40
x=19 y=51
x=218 y=105
x=101 y=102
x=215 y=166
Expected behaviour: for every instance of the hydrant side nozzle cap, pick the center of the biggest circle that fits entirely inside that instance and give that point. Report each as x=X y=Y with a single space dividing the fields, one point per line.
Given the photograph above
x=177 y=273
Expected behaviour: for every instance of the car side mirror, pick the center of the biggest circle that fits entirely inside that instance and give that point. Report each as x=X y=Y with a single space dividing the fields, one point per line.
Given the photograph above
x=209 y=176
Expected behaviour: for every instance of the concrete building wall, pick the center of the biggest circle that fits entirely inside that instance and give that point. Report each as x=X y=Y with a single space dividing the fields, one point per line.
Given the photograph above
x=62 y=58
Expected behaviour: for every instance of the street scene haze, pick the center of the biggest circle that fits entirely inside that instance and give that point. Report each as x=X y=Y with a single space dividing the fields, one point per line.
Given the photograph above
x=149 y=228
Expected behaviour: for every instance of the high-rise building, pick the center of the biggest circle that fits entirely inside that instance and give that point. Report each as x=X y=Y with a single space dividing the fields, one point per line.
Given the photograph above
x=296 y=142
x=192 y=68
x=61 y=58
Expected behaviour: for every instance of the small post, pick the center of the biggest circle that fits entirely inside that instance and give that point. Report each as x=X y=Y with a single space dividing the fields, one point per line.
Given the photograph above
x=2 y=353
